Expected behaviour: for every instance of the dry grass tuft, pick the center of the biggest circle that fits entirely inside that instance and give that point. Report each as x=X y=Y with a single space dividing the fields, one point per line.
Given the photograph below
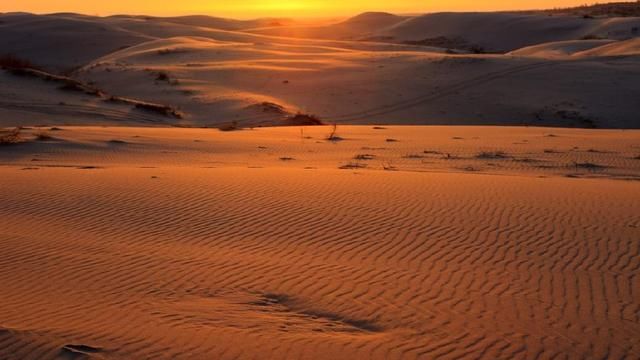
x=352 y=165
x=492 y=155
x=364 y=157
x=333 y=134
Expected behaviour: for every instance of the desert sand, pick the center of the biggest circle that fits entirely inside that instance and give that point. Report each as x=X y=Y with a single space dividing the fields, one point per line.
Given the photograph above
x=437 y=69
x=397 y=242
x=470 y=189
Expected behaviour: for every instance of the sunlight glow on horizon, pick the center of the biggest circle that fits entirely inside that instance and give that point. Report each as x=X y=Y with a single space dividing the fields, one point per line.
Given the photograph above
x=273 y=8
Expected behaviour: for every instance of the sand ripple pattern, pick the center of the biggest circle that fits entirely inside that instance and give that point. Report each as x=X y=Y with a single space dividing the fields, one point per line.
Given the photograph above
x=237 y=263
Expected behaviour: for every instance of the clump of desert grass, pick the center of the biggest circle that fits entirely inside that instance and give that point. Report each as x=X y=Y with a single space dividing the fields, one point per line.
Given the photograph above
x=352 y=165
x=492 y=155
x=588 y=166
x=412 y=156
x=362 y=157
x=300 y=119
x=333 y=135
x=160 y=109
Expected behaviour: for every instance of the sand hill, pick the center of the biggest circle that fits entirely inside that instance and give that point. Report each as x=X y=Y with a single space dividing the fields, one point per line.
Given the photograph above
x=412 y=70
x=149 y=210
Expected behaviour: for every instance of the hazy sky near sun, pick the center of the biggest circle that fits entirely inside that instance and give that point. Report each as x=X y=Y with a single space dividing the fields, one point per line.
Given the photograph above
x=281 y=8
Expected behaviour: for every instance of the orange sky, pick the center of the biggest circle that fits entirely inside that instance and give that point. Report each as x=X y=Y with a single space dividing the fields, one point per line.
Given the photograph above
x=283 y=8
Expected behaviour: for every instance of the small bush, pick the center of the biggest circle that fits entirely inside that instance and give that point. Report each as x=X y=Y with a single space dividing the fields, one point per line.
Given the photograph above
x=304 y=119
x=162 y=76
x=43 y=136
x=159 y=109
x=232 y=126
x=11 y=137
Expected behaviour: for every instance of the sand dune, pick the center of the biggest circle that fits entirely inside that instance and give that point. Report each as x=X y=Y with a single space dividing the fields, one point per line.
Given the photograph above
x=560 y=48
x=75 y=40
x=493 y=32
x=506 y=32
x=221 y=249
x=131 y=228
x=584 y=48
x=369 y=86
x=227 y=73
x=621 y=48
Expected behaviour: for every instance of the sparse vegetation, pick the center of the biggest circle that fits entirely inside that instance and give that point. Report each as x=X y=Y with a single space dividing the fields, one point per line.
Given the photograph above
x=269 y=107
x=364 y=157
x=43 y=136
x=232 y=126
x=588 y=166
x=164 y=110
x=593 y=37
x=332 y=135
x=12 y=62
x=67 y=84
x=158 y=108
x=162 y=76
x=303 y=119
x=10 y=137
x=72 y=85
x=170 y=51
x=413 y=156
x=492 y=155
x=391 y=140
x=352 y=165
x=117 y=142
x=451 y=44
x=600 y=10
x=286 y=158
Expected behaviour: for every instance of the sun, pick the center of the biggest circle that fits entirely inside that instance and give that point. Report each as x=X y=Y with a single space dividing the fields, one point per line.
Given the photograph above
x=282 y=5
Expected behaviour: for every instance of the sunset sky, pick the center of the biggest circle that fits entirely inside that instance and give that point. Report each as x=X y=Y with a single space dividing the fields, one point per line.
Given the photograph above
x=283 y=8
